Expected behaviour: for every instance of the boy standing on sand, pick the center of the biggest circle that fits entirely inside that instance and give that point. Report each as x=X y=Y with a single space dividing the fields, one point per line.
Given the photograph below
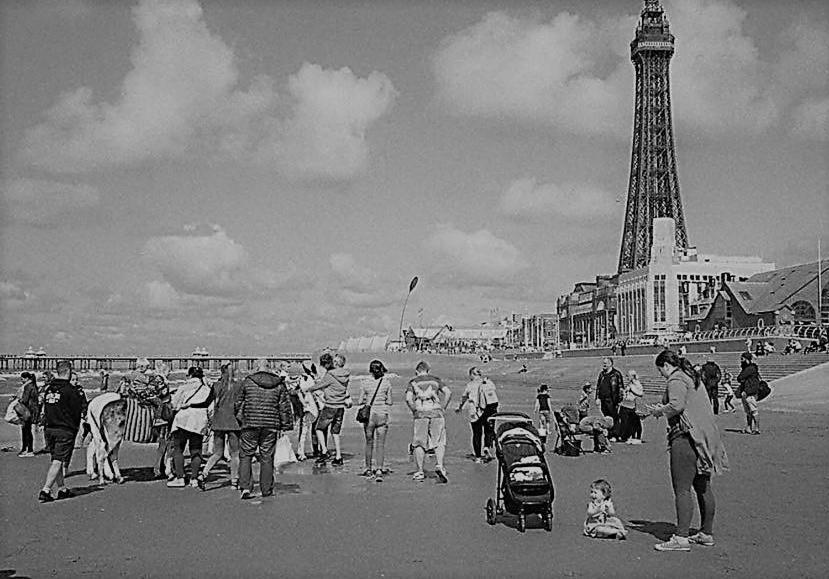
x=423 y=398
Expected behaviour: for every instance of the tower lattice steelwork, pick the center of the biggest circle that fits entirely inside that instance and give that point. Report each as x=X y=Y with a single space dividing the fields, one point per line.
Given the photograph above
x=653 y=190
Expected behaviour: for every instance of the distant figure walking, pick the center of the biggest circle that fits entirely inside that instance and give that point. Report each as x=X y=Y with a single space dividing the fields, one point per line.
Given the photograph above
x=28 y=397
x=749 y=380
x=711 y=374
x=263 y=407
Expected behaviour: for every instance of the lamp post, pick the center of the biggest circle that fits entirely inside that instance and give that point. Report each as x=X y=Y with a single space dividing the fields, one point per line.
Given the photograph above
x=412 y=285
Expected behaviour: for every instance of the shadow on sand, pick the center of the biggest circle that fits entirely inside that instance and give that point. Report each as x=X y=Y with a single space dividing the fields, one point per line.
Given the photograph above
x=659 y=529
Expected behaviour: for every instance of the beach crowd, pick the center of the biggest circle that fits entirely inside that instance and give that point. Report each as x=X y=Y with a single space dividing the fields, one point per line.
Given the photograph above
x=248 y=419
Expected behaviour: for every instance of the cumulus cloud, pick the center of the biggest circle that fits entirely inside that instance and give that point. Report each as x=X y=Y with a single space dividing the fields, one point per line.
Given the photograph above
x=533 y=70
x=183 y=95
x=526 y=198
x=43 y=202
x=204 y=264
x=326 y=133
x=570 y=72
x=478 y=258
x=356 y=285
x=810 y=120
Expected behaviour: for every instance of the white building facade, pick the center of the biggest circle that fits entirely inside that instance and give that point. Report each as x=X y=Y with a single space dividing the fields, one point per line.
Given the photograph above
x=661 y=296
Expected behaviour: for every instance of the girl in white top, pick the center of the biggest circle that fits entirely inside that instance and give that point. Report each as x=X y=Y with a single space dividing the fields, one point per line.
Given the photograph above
x=631 y=426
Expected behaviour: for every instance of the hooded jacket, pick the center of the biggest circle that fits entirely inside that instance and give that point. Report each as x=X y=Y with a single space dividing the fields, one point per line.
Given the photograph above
x=263 y=402
x=749 y=379
x=334 y=386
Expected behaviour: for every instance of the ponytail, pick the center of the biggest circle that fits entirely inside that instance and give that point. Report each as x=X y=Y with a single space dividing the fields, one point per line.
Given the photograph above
x=671 y=358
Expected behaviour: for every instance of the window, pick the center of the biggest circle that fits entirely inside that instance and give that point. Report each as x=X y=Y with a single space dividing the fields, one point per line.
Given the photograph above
x=803 y=312
x=745 y=295
x=659 y=298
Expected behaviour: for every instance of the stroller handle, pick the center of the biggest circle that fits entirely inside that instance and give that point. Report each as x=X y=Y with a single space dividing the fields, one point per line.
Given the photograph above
x=517 y=416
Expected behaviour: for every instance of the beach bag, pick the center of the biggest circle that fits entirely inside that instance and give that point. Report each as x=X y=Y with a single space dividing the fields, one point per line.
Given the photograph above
x=12 y=415
x=763 y=390
x=570 y=447
x=284 y=453
x=364 y=412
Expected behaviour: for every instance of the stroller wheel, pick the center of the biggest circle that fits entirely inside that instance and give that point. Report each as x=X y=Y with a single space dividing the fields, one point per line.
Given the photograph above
x=522 y=523
x=490 y=511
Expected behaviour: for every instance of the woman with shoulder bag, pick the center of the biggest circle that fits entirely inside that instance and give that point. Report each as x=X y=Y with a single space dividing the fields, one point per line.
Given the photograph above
x=28 y=397
x=190 y=405
x=376 y=394
x=631 y=425
x=479 y=411
x=695 y=448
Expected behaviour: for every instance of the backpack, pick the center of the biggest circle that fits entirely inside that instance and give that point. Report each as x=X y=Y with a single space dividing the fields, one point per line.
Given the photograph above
x=486 y=394
x=763 y=390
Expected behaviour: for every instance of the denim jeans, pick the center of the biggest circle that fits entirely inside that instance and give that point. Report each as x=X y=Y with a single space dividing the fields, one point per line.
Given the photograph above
x=250 y=440
x=182 y=438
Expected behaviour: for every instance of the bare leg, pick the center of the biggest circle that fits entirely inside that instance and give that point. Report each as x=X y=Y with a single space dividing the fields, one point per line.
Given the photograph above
x=337 y=445
x=420 y=455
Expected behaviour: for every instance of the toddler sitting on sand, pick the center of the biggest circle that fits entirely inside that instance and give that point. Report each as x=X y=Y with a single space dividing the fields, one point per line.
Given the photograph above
x=602 y=522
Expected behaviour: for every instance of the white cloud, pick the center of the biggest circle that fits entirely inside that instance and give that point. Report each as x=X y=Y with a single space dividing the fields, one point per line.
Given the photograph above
x=526 y=198
x=161 y=295
x=182 y=96
x=326 y=133
x=43 y=202
x=570 y=72
x=357 y=286
x=478 y=258
x=205 y=265
x=533 y=70
x=810 y=120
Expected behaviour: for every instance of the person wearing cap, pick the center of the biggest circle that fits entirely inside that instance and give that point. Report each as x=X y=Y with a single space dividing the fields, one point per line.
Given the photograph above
x=225 y=426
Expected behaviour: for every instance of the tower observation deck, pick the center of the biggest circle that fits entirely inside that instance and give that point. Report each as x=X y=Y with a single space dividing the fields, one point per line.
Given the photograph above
x=653 y=190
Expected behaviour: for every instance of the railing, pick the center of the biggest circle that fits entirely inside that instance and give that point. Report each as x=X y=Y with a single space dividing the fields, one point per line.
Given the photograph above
x=803 y=332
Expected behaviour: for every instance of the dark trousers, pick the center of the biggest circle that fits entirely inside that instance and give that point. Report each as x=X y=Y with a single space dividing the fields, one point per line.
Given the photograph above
x=713 y=395
x=28 y=438
x=684 y=478
x=609 y=408
x=182 y=438
x=630 y=425
x=251 y=439
x=484 y=428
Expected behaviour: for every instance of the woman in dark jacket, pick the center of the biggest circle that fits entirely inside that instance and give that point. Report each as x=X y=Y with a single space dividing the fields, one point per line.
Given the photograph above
x=749 y=380
x=28 y=398
x=225 y=427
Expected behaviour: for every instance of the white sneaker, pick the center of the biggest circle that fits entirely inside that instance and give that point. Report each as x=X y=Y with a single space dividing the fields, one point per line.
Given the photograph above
x=635 y=441
x=675 y=543
x=176 y=483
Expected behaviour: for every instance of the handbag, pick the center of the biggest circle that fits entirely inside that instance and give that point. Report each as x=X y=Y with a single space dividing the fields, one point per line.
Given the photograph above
x=364 y=412
x=12 y=417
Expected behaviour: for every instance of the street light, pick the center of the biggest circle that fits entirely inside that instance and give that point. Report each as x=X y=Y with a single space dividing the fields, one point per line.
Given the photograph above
x=412 y=285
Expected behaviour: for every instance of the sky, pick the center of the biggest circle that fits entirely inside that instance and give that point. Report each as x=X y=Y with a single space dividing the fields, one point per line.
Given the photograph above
x=266 y=177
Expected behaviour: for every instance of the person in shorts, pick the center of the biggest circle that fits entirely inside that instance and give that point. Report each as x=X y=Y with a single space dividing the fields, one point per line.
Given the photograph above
x=423 y=396
x=334 y=385
x=63 y=409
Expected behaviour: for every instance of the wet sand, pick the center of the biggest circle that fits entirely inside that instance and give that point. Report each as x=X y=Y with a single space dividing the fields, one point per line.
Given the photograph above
x=771 y=513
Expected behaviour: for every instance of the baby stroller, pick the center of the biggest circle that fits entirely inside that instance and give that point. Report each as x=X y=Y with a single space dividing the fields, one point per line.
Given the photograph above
x=568 y=444
x=524 y=485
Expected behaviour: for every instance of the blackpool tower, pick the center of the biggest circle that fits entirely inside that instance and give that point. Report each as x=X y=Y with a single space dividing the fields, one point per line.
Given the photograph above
x=653 y=190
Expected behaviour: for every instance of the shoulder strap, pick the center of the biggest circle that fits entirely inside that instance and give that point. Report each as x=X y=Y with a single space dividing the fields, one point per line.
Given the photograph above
x=376 y=390
x=189 y=398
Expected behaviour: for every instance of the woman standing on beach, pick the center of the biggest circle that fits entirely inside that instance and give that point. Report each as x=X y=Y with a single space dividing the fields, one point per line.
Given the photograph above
x=630 y=424
x=225 y=427
x=190 y=404
x=695 y=448
x=480 y=394
x=142 y=389
x=28 y=397
x=377 y=393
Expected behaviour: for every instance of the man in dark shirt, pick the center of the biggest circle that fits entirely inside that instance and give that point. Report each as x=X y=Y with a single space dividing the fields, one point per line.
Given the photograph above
x=62 y=409
x=609 y=393
x=711 y=376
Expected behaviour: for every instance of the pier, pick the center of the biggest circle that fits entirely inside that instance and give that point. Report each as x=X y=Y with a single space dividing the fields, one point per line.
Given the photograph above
x=15 y=363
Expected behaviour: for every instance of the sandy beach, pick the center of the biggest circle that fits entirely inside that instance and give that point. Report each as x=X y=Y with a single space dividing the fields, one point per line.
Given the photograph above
x=331 y=522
